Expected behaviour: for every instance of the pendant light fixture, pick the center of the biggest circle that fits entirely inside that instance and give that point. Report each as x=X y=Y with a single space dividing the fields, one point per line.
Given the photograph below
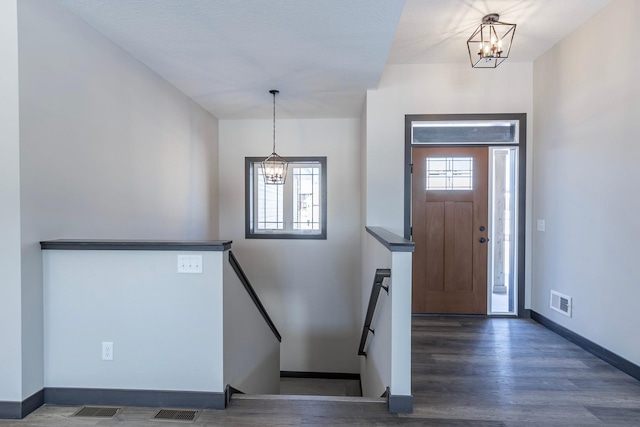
x=490 y=43
x=274 y=167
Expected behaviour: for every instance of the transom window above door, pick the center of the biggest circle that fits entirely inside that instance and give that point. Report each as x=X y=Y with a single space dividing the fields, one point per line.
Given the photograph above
x=473 y=132
x=449 y=173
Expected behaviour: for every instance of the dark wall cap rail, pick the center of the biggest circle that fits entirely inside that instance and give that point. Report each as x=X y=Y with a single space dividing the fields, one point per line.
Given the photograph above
x=137 y=245
x=390 y=240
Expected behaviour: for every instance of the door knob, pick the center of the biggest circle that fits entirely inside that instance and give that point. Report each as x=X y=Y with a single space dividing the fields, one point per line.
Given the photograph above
x=482 y=228
x=483 y=240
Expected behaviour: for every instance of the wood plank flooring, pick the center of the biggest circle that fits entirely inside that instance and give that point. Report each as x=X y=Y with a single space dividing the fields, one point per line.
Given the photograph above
x=514 y=372
x=466 y=372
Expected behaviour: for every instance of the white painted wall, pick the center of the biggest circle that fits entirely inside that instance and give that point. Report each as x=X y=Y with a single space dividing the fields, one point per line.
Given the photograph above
x=166 y=327
x=309 y=287
x=433 y=89
x=400 y=291
x=108 y=149
x=388 y=361
x=586 y=179
x=10 y=274
x=375 y=369
x=251 y=350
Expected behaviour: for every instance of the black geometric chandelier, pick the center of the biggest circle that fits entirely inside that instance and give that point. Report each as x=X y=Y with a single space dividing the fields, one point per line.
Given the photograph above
x=490 y=43
x=274 y=167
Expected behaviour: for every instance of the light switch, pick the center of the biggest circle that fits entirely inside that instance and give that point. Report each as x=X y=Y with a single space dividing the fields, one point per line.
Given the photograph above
x=190 y=264
x=540 y=225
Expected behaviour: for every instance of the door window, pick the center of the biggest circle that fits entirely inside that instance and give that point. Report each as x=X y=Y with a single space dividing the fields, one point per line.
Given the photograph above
x=449 y=173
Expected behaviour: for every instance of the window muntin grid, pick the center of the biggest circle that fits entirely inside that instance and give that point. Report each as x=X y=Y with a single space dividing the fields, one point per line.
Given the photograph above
x=270 y=205
x=449 y=173
x=306 y=198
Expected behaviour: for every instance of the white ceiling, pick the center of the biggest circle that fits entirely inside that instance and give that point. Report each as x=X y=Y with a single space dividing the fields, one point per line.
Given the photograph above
x=321 y=55
x=436 y=31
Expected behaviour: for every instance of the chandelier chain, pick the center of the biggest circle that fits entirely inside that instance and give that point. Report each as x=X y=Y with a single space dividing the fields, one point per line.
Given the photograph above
x=274 y=121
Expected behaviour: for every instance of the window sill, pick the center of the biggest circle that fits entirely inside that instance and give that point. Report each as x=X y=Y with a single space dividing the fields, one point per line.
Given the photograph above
x=296 y=236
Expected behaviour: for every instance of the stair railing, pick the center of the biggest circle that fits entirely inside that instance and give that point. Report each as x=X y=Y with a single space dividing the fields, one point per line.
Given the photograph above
x=252 y=293
x=378 y=284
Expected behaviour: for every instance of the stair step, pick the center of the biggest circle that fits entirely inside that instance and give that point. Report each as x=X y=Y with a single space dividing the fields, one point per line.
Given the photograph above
x=320 y=386
x=357 y=399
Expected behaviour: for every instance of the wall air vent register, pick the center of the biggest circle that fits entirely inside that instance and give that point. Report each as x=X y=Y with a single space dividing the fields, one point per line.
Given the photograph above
x=561 y=303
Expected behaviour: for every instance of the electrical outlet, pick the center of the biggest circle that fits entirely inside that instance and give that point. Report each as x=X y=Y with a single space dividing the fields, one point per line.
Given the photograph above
x=190 y=264
x=107 y=350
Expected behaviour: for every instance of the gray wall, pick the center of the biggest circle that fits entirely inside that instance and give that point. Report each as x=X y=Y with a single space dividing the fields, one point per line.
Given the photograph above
x=10 y=282
x=166 y=327
x=108 y=149
x=251 y=350
x=375 y=369
x=586 y=176
x=309 y=287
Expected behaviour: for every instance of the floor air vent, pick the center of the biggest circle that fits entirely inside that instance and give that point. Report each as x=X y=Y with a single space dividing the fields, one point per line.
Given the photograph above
x=176 y=415
x=96 y=412
x=561 y=303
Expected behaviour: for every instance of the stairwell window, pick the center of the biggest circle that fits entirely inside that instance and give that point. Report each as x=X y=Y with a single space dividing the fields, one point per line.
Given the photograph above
x=295 y=210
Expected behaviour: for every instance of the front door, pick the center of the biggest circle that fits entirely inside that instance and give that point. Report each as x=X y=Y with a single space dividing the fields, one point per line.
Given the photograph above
x=449 y=220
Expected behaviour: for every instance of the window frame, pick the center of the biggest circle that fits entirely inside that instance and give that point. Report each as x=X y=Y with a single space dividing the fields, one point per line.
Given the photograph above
x=249 y=201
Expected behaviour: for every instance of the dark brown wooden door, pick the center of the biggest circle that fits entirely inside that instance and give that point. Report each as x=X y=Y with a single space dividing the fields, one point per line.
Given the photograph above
x=449 y=219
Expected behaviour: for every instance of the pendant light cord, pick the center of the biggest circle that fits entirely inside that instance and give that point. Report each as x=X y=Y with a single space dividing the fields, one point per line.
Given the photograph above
x=274 y=120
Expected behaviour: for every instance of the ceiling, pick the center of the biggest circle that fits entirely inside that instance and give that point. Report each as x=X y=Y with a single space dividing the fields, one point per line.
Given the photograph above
x=321 y=55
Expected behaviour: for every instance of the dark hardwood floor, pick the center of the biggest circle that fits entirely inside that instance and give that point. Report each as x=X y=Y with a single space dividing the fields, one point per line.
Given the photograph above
x=467 y=371
x=514 y=372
